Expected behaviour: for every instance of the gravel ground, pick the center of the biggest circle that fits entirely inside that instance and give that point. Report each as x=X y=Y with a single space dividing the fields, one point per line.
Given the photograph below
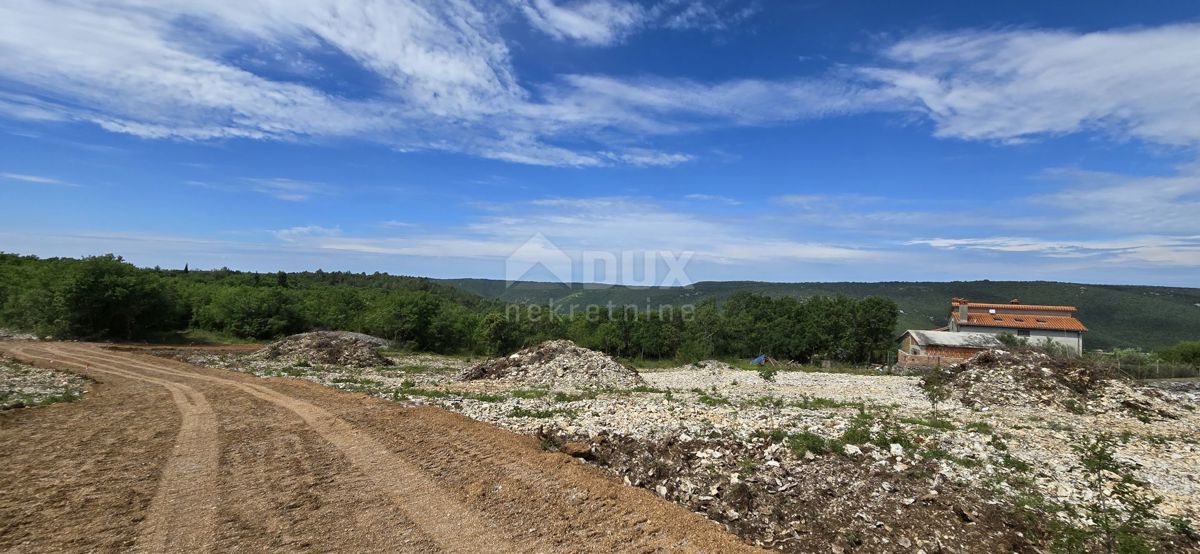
x=23 y=386
x=984 y=447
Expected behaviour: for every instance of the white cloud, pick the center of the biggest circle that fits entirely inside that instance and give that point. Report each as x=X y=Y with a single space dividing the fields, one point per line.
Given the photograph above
x=604 y=224
x=293 y=234
x=1144 y=250
x=35 y=179
x=442 y=78
x=605 y=22
x=290 y=190
x=700 y=197
x=1118 y=203
x=599 y=22
x=1014 y=85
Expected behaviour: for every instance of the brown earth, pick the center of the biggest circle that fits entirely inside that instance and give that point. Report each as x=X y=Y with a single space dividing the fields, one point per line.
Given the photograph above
x=163 y=456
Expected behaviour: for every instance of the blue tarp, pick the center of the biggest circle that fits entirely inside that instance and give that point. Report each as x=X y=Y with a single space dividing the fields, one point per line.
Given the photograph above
x=759 y=360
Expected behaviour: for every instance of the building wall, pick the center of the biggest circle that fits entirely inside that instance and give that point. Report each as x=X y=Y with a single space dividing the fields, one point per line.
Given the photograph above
x=1069 y=339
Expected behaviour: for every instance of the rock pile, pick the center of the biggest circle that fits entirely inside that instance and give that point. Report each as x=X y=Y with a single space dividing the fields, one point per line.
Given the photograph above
x=874 y=500
x=1034 y=379
x=557 y=364
x=6 y=334
x=23 y=385
x=337 y=348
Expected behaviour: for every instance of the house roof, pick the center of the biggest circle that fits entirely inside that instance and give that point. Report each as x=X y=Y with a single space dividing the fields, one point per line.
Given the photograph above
x=1021 y=321
x=948 y=338
x=1013 y=305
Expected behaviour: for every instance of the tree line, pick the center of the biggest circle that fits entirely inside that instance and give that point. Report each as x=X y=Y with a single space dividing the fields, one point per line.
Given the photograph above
x=104 y=297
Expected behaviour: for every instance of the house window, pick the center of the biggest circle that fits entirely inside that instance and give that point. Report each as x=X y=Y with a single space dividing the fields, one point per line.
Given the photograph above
x=1022 y=332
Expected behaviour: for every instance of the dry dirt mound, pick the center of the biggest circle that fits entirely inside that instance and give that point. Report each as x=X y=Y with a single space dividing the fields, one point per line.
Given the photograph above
x=1003 y=378
x=327 y=348
x=557 y=364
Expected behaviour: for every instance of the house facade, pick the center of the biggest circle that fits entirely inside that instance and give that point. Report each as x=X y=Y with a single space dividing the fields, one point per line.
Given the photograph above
x=941 y=348
x=1034 y=322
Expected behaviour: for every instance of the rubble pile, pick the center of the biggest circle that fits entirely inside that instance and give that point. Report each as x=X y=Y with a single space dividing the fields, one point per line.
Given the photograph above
x=1034 y=379
x=23 y=385
x=336 y=348
x=7 y=334
x=557 y=364
x=873 y=500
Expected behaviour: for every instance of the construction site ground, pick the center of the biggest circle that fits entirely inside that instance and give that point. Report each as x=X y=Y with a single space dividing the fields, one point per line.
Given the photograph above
x=164 y=456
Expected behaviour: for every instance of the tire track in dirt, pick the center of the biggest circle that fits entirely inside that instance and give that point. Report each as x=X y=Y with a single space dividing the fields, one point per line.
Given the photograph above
x=181 y=515
x=454 y=527
x=474 y=447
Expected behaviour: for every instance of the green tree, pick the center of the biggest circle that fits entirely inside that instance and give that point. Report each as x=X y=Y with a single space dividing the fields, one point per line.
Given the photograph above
x=250 y=312
x=110 y=298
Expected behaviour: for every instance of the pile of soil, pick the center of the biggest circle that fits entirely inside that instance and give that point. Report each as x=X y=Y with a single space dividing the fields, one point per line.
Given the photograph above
x=1035 y=379
x=766 y=494
x=557 y=364
x=338 y=348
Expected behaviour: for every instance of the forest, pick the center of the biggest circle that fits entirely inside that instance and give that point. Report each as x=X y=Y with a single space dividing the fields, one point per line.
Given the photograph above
x=105 y=297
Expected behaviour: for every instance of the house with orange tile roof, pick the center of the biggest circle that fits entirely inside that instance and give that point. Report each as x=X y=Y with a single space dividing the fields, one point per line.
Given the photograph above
x=1034 y=322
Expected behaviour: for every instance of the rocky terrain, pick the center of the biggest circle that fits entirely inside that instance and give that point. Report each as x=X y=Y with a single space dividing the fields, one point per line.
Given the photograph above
x=6 y=334
x=810 y=458
x=337 y=348
x=1001 y=378
x=556 y=364
x=23 y=386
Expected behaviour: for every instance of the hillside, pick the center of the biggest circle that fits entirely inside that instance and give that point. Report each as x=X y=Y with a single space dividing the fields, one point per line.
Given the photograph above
x=1147 y=317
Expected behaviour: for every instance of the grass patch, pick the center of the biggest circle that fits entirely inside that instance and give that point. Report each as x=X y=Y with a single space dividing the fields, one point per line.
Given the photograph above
x=981 y=427
x=712 y=399
x=799 y=442
x=11 y=400
x=933 y=423
x=879 y=429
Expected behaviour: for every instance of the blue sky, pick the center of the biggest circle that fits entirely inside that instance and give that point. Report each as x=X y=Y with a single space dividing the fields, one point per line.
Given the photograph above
x=781 y=141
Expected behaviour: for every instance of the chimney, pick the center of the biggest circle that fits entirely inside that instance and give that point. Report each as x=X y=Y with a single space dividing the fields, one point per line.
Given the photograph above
x=962 y=311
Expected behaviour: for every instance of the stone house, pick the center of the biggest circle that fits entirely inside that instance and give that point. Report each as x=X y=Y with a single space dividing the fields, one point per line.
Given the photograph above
x=1034 y=322
x=934 y=348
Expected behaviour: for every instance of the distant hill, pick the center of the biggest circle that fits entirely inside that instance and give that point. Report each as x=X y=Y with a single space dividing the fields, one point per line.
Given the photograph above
x=1146 y=317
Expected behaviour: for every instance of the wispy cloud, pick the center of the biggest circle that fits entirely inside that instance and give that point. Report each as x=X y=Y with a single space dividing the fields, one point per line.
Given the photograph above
x=294 y=234
x=605 y=22
x=604 y=224
x=35 y=179
x=699 y=197
x=1152 y=250
x=290 y=190
x=590 y=21
x=1014 y=85
x=446 y=80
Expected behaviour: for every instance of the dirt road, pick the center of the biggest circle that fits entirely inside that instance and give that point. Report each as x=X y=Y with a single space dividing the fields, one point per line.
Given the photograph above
x=163 y=456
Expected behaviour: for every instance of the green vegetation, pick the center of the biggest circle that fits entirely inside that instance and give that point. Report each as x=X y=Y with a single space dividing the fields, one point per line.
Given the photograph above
x=931 y=422
x=1151 y=318
x=1121 y=508
x=935 y=389
x=13 y=399
x=528 y=393
x=105 y=297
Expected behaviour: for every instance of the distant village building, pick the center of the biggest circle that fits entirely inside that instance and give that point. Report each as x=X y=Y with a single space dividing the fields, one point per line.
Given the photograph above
x=941 y=348
x=1037 y=323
